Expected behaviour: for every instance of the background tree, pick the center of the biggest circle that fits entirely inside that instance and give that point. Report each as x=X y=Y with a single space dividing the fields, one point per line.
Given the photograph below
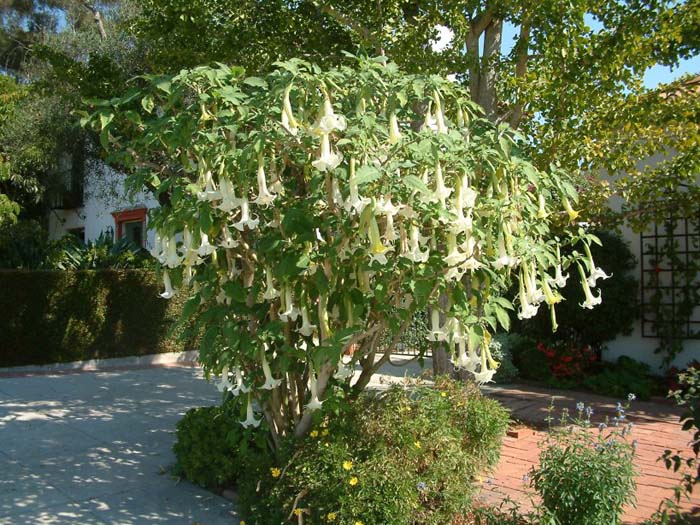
x=568 y=75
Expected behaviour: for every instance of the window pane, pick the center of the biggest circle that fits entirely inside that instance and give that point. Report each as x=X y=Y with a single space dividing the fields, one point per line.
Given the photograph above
x=133 y=231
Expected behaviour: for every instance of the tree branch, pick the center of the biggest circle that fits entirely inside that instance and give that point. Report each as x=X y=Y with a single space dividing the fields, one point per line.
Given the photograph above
x=98 y=18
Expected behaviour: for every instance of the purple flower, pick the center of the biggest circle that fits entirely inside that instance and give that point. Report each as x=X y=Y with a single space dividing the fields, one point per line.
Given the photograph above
x=580 y=406
x=421 y=486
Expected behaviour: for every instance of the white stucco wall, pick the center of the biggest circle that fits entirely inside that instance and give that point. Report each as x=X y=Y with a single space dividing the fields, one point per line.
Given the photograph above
x=636 y=346
x=104 y=194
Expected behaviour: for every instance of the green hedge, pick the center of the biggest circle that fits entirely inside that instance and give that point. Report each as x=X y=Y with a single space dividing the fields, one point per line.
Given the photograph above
x=60 y=316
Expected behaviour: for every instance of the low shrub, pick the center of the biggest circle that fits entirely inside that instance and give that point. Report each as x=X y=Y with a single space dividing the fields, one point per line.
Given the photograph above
x=403 y=456
x=626 y=375
x=211 y=445
x=585 y=477
x=500 y=348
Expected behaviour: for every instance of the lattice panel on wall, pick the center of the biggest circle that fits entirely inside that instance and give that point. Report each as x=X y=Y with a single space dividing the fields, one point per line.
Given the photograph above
x=670 y=264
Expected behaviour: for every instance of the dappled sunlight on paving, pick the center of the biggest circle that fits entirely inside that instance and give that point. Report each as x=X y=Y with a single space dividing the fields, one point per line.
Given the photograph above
x=95 y=448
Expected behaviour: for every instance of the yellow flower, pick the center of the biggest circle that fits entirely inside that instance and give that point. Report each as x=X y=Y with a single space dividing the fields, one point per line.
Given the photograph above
x=347 y=465
x=417 y=444
x=314 y=433
x=324 y=432
x=443 y=394
x=242 y=522
x=359 y=523
x=354 y=481
x=331 y=516
x=275 y=472
x=297 y=512
x=325 y=444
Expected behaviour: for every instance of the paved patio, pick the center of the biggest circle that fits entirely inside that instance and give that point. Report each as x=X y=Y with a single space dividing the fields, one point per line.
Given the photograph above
x=656 y=428
x=93 y=448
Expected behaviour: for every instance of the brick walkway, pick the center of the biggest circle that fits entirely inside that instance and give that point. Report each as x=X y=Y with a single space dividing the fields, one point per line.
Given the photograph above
x=656 y=429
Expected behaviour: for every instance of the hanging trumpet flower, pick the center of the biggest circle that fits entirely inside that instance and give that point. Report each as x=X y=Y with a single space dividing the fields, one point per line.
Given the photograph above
x=288 y=121
x=250 y=420
x=169 y=291
x=590 y=300
x=314 y=403
x=596 y=273
x=264 y=198
x=270 y=382
x=246 y=221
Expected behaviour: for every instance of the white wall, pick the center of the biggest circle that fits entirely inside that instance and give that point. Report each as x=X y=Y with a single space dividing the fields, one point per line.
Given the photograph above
x=104 y=194
x=636 y=346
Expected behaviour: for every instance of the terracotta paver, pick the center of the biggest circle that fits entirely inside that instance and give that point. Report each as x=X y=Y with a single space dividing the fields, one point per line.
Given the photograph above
x=656 y=429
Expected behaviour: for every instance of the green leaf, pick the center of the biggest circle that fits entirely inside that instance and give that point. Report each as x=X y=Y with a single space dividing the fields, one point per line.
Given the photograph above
x=415 y=183
x=255 y=82
x=366 y=174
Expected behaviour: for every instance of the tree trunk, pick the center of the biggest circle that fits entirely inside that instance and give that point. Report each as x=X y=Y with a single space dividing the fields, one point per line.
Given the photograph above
x=488 y=73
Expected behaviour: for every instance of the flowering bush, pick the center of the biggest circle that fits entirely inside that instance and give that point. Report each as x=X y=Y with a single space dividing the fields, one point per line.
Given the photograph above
x=404 y=456
x=586 y=476
x=310 y=212
x=567 y=359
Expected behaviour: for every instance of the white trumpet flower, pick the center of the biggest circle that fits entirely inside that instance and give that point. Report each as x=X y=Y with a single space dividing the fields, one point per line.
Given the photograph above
x=240 y=387
x=441 y=191
x=377 y=250
x=503 y=258
x=250 y=420
x=245 y=221
x=454 y=256
x=157 y=250
x=439 y=116
x=290 y=312
x=264 y=198
x=429 y=124
x=414 y=252
x=228 y=241
x=205 y=248
x=328 y=121
x=307 y=329
x=590 y=300
x=270 y=291
x=169 y=290
x=354 y=201
x=224 y=383
x=559 y=278
x=270 y=382
x=596 y=273
x=210 y=193
x=314 y=403
x=527 y=309
x=328 y=160
x=229 y=201
x=172 y=258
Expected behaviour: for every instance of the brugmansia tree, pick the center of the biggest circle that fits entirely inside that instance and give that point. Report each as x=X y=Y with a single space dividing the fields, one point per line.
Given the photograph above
x=310 y=214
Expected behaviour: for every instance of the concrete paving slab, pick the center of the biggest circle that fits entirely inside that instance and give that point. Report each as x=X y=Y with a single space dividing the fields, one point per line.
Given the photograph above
x=61 y=514
x=94 y=448
x=22 y=490
x=36 y=439
x=188 y=505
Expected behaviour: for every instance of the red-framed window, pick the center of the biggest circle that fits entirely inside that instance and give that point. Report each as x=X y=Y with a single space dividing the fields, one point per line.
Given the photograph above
x=131 y=225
